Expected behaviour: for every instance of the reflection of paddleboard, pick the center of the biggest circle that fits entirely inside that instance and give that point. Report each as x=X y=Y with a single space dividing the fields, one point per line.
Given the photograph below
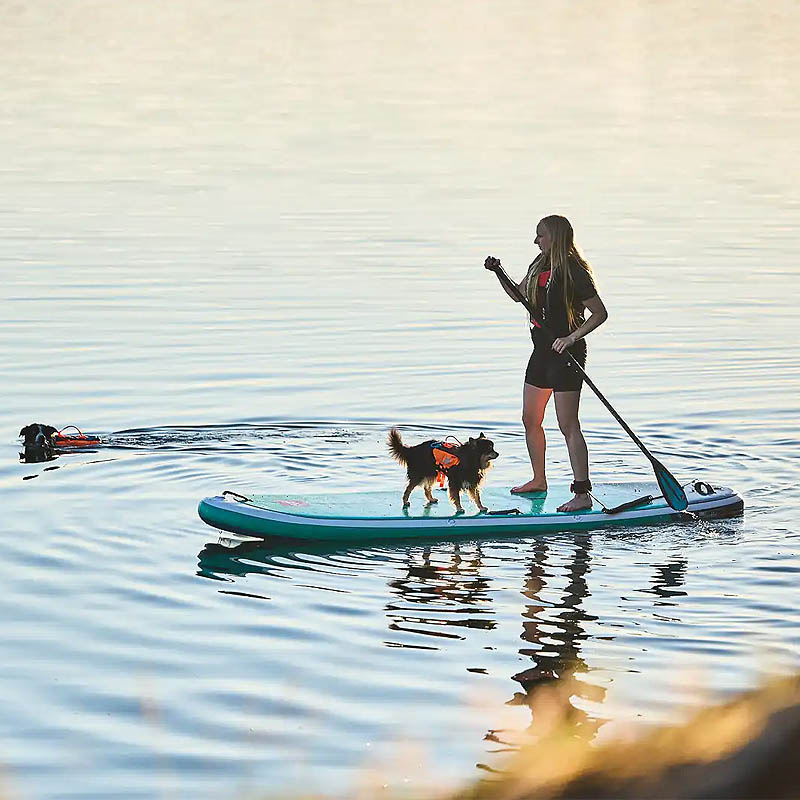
x=372 y=516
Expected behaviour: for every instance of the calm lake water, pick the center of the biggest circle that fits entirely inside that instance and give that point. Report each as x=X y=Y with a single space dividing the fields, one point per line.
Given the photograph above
x=241 y=240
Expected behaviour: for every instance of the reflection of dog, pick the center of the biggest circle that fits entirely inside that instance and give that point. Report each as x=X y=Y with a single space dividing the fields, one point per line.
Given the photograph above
x=464 y=465
x=38 y=442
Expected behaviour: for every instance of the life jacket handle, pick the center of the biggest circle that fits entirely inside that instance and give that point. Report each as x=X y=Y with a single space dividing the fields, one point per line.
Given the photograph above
x=81 y=434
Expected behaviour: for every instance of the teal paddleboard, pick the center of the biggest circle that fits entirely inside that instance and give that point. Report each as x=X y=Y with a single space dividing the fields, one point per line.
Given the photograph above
x=375 y=516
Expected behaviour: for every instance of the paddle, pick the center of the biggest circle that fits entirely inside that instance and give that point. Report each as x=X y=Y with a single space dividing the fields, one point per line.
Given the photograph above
x=670 y=488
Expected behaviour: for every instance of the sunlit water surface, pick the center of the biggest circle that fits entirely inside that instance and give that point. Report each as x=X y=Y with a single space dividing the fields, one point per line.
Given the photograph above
x=242 y=240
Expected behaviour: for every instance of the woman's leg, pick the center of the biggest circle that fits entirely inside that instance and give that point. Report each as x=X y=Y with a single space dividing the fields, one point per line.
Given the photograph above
x=534 y=402
x=567 y=404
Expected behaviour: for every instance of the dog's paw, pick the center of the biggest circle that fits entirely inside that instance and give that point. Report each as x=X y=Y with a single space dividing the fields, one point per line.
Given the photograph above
x=459 y=511
x=407 y=504
x=482 y=509
x=432 y=502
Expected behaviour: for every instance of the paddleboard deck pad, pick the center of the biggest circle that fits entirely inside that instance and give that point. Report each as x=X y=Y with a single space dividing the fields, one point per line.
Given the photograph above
x=374 y=516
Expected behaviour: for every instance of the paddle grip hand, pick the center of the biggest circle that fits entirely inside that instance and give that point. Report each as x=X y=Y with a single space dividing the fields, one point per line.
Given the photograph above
x=563 y=343
x=492 y=264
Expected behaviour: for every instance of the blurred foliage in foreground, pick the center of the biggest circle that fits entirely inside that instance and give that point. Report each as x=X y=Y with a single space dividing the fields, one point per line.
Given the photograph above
x=745 y=748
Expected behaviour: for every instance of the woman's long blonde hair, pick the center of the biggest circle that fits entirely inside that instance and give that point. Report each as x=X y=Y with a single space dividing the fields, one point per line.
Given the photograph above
x=562 y=251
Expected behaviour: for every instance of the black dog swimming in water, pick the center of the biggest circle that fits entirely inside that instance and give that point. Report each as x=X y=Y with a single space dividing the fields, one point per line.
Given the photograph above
x=38 y=443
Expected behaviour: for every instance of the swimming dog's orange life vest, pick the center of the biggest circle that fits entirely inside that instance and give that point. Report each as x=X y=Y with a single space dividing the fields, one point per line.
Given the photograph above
x=79 y=439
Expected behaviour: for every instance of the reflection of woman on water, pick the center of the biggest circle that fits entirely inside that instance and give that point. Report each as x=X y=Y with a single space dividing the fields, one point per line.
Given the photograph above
x=559 y=285
x=555 y=633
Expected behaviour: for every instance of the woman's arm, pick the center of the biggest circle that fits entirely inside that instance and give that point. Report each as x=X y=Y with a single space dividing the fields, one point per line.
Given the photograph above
x=520 y=287
x=597 y=316
x=493 y=264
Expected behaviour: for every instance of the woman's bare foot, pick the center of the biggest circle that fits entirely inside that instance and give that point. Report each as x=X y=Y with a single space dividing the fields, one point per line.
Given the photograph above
x=531 y=487
x=578 y=503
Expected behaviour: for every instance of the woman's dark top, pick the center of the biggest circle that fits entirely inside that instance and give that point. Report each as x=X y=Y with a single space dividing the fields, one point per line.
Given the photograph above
x=550 y=301
x=546 y=368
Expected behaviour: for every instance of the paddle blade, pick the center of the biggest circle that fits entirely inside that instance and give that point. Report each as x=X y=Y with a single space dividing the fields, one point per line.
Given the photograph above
x=670 y=488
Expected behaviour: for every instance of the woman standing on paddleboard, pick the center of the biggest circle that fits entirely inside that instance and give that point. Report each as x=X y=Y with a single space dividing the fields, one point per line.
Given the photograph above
x=559 y=286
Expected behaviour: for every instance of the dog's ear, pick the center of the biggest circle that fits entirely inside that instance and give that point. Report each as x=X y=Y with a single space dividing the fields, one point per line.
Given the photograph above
x=49 y=430
x=482 y=436
x=24 y=431
x=470 y=440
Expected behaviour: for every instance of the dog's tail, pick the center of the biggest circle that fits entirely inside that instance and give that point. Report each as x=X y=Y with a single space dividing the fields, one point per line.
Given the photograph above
x=396 y=447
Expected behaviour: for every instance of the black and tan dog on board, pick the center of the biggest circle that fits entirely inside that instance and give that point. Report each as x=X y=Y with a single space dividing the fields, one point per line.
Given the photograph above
x=464 y=466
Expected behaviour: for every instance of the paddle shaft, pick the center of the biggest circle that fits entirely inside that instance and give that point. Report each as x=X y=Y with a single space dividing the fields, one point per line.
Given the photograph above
x=511 y=286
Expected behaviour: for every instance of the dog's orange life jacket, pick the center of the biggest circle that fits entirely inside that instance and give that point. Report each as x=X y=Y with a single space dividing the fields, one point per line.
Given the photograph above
x=60 y=439
x=444 y=458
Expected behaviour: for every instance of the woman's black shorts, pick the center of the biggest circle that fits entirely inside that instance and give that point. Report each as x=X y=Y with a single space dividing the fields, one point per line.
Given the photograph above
x=549 y=370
